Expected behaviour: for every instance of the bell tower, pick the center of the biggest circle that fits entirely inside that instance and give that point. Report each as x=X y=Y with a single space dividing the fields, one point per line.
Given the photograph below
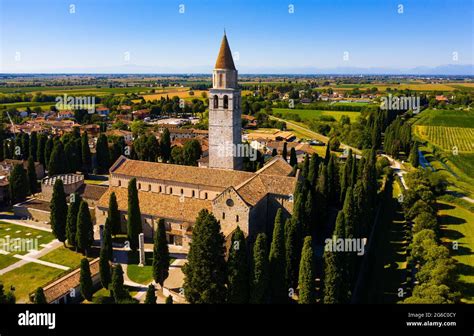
x=225 y=124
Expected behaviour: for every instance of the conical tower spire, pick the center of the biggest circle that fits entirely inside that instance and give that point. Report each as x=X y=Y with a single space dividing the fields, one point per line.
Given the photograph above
x=224 y=59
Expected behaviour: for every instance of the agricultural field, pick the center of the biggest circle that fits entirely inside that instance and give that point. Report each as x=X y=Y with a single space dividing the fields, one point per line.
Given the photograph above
x=44 y=106
x=447 y=118
x=459 y=139
x=314 y=114
x=382 y=87
x=180 y=92
x=77 y=90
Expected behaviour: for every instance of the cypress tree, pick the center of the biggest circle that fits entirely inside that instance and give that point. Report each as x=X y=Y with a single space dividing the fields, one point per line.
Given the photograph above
x=345 y=180
x=306 y=283
x=39 y=297
x=321 y=201
x=205 y=275
x=25 y=146
x=85 y=153
x=284 y=154
x=59 y=209
x=8 y=298
x=353 y=175
x=42 y=138
x=6 y=150
x=118 y=291
x=85 y=233
x=305 y=170
x=57 y=161
x=277 y=262
x=103 y=154
x=114 y=215
x=291 y=254
x=335 y=270
x=313 y=170
x=293 y=158
x=104 y=268
x=274 y=152
x=161 y=255
x=32 y=179
x=260 y=271
x=71 y=220
x=310 y=214
x=107 y=241
x=48 y=149
x=333 y=181
x=169 y=300
x=18 y=184
x=165 y=145
x=86 y=280
x=34 y=146
x=134 y=217
x=327 y=155
x=150 y=295
x=238 y=269
x=414 y=156
x=300 y=219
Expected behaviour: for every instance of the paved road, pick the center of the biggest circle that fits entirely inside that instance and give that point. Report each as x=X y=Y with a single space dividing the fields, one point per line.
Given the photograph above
x=397 y=169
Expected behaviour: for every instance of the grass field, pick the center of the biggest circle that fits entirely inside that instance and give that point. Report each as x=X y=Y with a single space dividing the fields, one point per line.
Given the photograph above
x=27 y=278
x=447 y=118
x=457 y=224
x=448 y=138
x=141 y=274
x=64 y=256
x=24 y=105
x=314 y=114
x=13 y=231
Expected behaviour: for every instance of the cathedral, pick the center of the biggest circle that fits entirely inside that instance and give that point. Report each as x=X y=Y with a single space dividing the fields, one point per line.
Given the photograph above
x=177 y=193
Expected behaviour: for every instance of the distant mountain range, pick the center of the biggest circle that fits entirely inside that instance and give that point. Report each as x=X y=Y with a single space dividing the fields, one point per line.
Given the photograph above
x=449 y=69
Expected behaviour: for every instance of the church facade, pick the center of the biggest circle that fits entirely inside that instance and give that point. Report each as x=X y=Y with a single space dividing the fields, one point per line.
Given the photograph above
x=177 y=193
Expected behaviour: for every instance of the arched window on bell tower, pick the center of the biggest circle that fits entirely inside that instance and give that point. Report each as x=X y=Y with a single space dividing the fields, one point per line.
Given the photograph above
x=215 y=100
x=226 y=102
x=221 y=80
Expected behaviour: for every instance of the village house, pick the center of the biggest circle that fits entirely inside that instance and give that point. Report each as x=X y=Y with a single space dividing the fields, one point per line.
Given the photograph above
x=127 y=135
x=141 y=114
x=102 y=111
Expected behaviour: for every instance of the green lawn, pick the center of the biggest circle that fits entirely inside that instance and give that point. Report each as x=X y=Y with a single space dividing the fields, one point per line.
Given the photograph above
x=315 y=114
x=457 y=225
x=15 y=231
x=141 y=274
x=7 y=260
x=11 y=230
x=64 y=256
x=27 y=278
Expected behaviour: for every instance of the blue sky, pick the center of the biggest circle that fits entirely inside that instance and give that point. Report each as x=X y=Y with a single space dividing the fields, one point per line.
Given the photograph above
x=47 y=37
